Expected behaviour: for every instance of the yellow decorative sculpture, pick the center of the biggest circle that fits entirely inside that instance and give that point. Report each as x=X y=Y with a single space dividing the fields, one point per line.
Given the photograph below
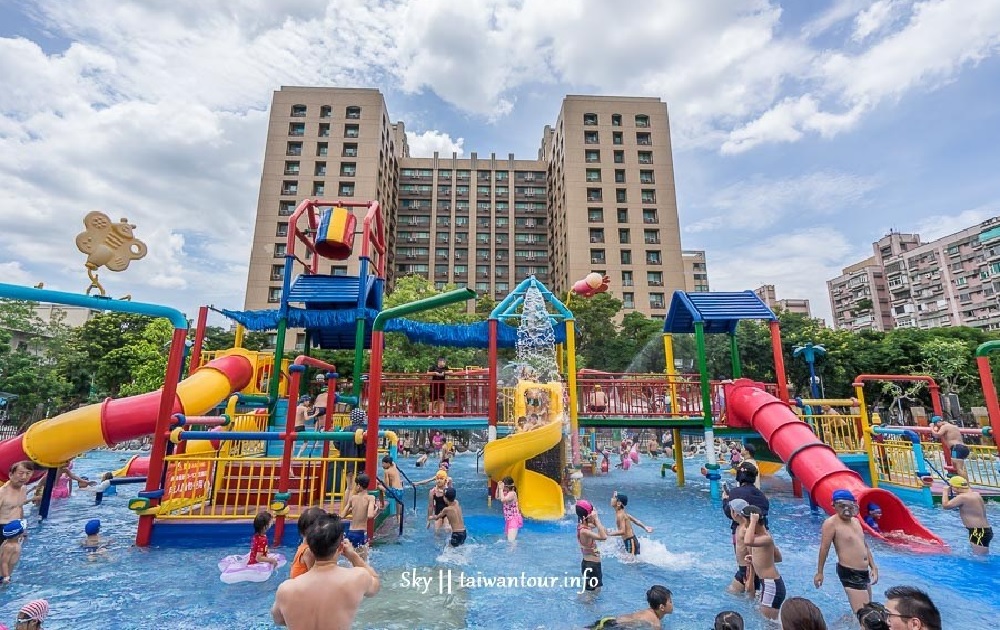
x=107 y=244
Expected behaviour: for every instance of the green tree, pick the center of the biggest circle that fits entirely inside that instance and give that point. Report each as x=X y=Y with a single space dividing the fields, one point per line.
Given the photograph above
x=950 y=362
x=595 y=329
x=217 y=338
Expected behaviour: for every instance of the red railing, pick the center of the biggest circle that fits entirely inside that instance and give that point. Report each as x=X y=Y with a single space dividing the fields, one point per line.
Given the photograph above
x=409 y=395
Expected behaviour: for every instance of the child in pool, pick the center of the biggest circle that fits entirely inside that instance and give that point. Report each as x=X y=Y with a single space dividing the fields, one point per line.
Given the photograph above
x=93 y=544
x=258 y=544
x=512 y=519
x=10 y=550
x=304 y=558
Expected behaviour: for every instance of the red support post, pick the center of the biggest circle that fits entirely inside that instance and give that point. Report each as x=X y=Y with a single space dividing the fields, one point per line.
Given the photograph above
x=493 y=395
x=374 y=397
x=199 y=340
x=779 y=360
x=285 y=470
x=990 y=392
x=158 y=450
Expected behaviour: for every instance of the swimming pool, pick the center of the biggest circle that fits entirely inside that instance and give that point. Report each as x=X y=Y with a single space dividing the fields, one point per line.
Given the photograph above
x=689 y=552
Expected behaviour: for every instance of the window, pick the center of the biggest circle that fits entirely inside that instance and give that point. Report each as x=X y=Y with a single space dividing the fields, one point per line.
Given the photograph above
x=597 y=256
x=593 y=174
x=324 y=130
x=353 y=113
x=621 y=196
x=656 y=300
x=325 y=111
x=596 y=235
x=444 y=222
x=346 y=189
x=321 y=149
x=441 y=252
x=627 y=279
x=350 y=149
x=348 y=169
x=289 y=188
x=338 y=270
x=616 y=120
x=320 y=170
x=646 y=177
x=298 y=111
x=590 y=119
x=274 y=294
x=595 y=215
x=482 y=191
x=619 y=157
x=649 y=216
x=296 y=129
x=648 y=195
x=277 y=271
x=641 y=120
x=592 y=155
x=652 y=257
x=590 y=137
x=291 y=168
x=462 y=174
x=501 y=176
x=623 y=215
x=619 y=176
x=279 y=250
x=645 y=157
x=643 y=138
x=286 y=208
x=319 y=189
x=282 y=229
x=624 y=236
x=651 y=237
x=626 y=256
x=294 y=149
x=654 y=278
x=616 y=137
x=442 y=237
x=595 y=194
x=628 y=300
x=351 y=131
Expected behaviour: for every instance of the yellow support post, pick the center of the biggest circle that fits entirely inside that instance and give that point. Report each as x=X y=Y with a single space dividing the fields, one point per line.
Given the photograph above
x=560 y=351
x=574 y=422
x=866 y=431
x=671 y=368
x=238 y=342
x=679 y=458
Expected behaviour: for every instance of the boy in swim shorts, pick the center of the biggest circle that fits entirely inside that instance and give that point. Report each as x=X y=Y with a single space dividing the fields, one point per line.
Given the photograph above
x=972 y=510
x=360 y=508
x=855 y=565
x=93 y=544
x=744 y=580
x=623 y=521
x=763 y=555
x=453 y=513
x=10 y=550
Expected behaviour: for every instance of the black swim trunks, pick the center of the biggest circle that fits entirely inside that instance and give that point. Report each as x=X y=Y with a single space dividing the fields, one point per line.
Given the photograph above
x=854 y=579
x=741 y=577
x=981 y=536
x=772 y=593
x=632 y=545
x=458 y=538
x=959 y=451
x=604 y=622
x=593 y=575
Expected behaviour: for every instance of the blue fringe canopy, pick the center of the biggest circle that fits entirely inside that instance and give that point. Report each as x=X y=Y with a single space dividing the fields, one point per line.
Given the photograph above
x=474 y=335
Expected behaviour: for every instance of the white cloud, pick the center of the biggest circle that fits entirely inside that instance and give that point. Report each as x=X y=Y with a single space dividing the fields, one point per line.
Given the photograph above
x=426 y=143
x=874 y=18
x=838 y=12
x=13 y=273
x=759 y=203
x=934 y=227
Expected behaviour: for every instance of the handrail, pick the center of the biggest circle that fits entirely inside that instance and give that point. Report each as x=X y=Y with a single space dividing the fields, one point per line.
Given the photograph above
x=412 y=485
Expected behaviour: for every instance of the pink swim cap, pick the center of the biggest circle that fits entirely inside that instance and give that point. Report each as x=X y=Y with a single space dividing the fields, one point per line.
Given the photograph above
x=585 y=505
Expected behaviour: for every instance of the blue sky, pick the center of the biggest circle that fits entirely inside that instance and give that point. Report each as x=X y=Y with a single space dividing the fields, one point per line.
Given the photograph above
x=802 y=130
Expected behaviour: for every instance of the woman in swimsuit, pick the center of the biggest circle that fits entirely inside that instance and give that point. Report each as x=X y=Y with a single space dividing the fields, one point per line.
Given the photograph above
x=586 y=537
x=512 y=519
x=436 y=501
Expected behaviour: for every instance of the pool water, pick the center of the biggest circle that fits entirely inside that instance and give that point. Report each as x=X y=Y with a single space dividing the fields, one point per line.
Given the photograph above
x=689 y=552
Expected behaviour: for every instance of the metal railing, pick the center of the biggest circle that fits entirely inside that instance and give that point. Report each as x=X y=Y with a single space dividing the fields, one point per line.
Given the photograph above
x=263 y=363
x=981 y=466
x=246 y=448
x=895 y=462
x=841 y=431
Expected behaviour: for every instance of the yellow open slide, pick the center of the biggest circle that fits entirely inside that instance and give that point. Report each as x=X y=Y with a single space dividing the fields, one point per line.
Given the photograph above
x=538 y=496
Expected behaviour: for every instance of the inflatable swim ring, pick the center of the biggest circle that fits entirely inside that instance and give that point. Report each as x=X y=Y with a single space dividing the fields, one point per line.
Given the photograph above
x=235 y=569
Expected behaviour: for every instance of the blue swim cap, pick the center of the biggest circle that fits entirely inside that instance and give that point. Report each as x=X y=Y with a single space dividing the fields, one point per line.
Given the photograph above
x=935 y=419
x=13 y=528
x=92 y=527
x=843 y=495
x=874 y=506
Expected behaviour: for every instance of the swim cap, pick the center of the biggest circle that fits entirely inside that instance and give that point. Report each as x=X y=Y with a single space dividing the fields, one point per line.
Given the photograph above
x=956 y=482
x=843 y=495
x=736 y=506
x=872 y=507
x=13 y=528
x=623 y=499
x=304 y=399
x=585 y=505
x=935 y=419
x=92 y=527
x=36 y=610
x=441 y=475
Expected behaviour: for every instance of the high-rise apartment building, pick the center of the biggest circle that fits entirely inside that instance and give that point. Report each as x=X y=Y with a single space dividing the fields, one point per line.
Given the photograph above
x=952 y=281
x=859 y=297
x=695 y=271
x=768 y=295
x=599 y=197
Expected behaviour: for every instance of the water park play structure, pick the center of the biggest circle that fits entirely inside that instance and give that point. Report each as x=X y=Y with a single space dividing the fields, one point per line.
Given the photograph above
x=224 y=441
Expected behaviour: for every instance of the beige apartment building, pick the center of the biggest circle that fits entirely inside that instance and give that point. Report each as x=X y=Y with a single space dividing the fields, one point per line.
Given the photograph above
x=768 y=295
x=859 y=297
x=952 y=281
x=695 y=271
x=599 y=197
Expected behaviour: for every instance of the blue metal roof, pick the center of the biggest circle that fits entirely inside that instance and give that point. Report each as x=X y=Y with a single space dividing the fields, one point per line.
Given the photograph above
x=325 y=292
x=720 y=312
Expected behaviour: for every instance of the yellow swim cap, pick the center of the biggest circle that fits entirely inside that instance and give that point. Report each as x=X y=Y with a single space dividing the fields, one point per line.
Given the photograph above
x=958 y=482
x=441 y=475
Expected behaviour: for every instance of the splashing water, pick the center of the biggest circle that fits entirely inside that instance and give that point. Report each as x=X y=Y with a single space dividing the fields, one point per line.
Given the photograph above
x=644 y=359
x=536 y=339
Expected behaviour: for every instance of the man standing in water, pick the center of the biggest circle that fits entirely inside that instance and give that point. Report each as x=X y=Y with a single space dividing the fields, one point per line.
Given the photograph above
x=972 y=510
x=326 y=597
x=13 y=497
x=854 y=558
x=951 y=439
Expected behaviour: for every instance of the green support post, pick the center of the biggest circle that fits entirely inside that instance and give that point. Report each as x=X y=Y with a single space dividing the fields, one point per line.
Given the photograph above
x=734 y=350
x=359 y=357
x=279 y=356
x=712 y=466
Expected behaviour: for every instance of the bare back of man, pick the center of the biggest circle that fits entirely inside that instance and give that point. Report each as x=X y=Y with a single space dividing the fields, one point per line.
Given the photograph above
x=951 y=438
x=972 y=510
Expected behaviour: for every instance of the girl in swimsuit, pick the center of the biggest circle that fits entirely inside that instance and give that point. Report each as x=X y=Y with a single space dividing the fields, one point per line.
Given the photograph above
x=436 y=501
x=590 y=567
x=512 y=519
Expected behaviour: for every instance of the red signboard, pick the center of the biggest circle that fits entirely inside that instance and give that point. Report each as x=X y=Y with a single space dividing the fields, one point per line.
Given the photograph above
x=188 y=480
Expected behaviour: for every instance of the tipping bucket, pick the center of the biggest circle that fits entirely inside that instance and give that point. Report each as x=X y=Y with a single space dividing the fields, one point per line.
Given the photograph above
x=335 y=238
